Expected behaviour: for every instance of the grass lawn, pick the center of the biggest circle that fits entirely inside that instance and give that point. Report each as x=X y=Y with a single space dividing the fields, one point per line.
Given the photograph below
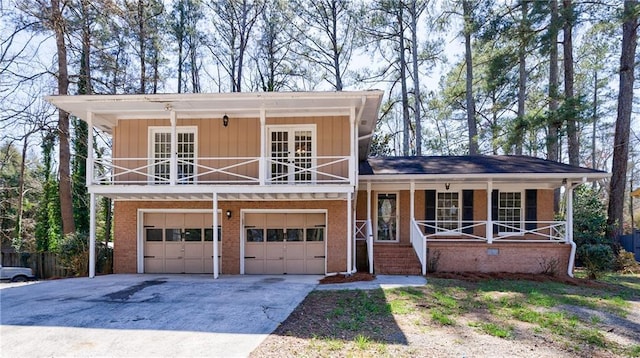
x=451 y=317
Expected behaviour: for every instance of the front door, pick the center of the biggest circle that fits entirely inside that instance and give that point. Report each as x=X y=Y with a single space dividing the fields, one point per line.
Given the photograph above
x=387 y=217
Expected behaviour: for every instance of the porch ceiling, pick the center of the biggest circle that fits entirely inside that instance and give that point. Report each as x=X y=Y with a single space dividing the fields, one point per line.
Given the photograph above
x=226 y=195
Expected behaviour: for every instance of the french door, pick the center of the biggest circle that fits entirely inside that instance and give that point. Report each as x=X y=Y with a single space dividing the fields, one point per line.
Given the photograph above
x=160 y=139
x=291 y=150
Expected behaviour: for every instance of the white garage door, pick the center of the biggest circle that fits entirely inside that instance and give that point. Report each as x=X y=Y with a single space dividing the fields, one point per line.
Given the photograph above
x=278 y=243
x=179 y=242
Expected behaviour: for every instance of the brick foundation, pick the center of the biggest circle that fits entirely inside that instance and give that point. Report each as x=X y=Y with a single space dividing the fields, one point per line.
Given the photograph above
x=498 y=257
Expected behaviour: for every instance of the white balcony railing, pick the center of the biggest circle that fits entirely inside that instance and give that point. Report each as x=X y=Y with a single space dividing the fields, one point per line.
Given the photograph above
x=222 y=170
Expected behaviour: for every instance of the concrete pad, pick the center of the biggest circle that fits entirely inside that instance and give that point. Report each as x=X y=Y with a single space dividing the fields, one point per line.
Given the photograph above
x=381 y=281
x=146 y=315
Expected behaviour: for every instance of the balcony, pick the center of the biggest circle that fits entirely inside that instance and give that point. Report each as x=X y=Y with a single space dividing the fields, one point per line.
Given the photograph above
x=220 y=171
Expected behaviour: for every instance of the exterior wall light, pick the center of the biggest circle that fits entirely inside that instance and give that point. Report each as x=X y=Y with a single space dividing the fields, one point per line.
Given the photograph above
x=228 y=213
x=225 y=120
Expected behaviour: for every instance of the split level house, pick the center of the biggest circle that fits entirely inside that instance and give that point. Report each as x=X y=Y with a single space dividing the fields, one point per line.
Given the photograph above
x=282 y=183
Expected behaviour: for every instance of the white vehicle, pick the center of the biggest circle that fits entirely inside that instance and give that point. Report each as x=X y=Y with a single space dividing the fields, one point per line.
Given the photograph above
x=16 y=274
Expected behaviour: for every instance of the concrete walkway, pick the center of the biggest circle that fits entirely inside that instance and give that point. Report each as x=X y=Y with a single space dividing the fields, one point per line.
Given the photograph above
x=381 y=281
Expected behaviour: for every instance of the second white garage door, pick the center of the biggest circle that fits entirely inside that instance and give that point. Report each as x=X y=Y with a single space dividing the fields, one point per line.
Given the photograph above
x=179 y=242
x=279 y=243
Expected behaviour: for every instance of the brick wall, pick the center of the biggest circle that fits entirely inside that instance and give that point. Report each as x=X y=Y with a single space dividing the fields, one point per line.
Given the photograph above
x=509 y=257
x=125 y=226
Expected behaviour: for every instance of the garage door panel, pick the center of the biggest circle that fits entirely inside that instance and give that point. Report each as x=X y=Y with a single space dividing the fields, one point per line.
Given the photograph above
x=193 y=250
x=314 y=266
x=293 y=243
x=193 y=266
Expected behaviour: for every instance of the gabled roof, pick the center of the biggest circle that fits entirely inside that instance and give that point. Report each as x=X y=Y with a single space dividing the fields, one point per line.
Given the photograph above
x=473 y=167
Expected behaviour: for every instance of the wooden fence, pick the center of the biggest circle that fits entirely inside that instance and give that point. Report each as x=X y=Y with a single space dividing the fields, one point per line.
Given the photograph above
x=44 y=264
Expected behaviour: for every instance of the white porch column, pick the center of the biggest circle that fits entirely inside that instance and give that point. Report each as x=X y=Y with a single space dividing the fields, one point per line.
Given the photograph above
x=412 y=205
x=215 y=236
x=92 y=236
x=353 y=139
x=90 y=167
x=369 y=235
x=350 y=235
x=568 y=189
x=262 y=163
x=173 y=173
x=489 y=228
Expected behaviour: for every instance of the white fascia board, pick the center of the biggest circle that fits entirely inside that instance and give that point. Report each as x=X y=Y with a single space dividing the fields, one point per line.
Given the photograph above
x=221 y=189
x=572 y=177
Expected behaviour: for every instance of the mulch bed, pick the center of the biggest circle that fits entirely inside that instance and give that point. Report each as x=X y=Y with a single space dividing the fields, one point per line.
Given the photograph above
x=342 y=278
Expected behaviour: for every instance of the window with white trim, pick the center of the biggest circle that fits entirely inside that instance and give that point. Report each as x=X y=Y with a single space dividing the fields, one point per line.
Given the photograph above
x=448 y=210
x=160 y=139
x=510 y=211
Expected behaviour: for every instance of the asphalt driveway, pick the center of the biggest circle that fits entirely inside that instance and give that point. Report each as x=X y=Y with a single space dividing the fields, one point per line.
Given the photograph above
x=146 y=315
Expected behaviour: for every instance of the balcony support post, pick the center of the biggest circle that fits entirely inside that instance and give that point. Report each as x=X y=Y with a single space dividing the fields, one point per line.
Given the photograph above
x=215 y=236
x=353 y=139
x=92 y=236
x=262 y=164
x=173 y=173
x=350 y=231
x=90 y=168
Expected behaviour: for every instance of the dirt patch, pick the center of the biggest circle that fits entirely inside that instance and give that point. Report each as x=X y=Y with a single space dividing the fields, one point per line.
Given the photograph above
x=482 y=276
x=341 y=278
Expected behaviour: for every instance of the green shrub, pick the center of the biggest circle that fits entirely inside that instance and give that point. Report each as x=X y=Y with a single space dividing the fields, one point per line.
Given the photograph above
x=626 y=262
x=597 y=258
x=73 y=251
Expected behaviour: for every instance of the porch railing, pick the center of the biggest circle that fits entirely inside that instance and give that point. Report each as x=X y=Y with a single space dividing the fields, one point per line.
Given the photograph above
x=364 y=232
x=221 y=170
x=419 y=243
x=526 y=231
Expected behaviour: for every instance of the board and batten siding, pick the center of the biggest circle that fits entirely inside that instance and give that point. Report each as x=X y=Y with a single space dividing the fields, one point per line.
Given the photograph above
x=241 y=138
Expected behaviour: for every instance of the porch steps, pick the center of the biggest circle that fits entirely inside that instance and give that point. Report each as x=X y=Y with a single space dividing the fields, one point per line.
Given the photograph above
x=395 y=260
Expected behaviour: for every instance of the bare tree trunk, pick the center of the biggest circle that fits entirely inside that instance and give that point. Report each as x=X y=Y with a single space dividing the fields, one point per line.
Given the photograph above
x=334 y=44
x=66 y=203
x=141 y=46
x=553 y=140
x=416 y=77
x=471 y=106
x=403 y=82
x=23 y=166
x=522 y=79
x=623 y=122
x=570 y=100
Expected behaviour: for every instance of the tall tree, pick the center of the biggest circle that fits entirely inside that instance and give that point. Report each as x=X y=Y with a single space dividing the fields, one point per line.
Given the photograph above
x=326 y=34
x=234 y=21
x=469 y=25
x=273 y=54
x=570 y=110
x=57 y=23
x=554 y=122
x=623 y=120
